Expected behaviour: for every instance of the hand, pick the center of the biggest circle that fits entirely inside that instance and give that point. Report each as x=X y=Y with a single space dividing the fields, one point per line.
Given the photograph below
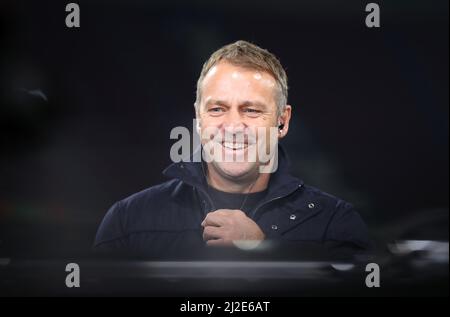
x=225 y=227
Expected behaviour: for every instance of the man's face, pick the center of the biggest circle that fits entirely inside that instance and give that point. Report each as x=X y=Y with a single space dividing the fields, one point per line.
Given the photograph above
x=236 y=105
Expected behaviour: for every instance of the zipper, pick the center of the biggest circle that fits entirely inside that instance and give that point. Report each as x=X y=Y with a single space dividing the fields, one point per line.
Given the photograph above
x=272 y=200
x=196 y=187
x=207 y=196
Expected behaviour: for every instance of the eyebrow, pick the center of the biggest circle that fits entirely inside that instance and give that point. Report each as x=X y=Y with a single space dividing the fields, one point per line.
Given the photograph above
x=215 y=101
x=246 y=103
x=255 y=104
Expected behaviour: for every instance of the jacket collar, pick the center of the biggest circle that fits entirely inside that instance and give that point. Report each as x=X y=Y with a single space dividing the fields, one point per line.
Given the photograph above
x=281 y=182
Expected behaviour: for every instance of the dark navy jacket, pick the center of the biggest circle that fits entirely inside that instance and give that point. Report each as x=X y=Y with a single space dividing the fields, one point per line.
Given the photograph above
x=165 y=219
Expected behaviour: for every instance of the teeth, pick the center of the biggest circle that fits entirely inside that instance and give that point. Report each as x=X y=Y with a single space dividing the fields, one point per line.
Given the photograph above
x=234 y=146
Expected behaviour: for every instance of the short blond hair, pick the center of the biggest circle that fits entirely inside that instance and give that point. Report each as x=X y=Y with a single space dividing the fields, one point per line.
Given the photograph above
x=250 y=56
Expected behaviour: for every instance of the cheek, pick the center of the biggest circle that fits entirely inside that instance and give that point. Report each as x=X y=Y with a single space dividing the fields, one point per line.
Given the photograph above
x=209 y=120
x=209 y=131
x=267 y=136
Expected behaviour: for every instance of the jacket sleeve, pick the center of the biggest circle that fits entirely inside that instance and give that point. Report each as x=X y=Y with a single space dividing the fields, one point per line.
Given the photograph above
x=110 y=235
x=341 y=235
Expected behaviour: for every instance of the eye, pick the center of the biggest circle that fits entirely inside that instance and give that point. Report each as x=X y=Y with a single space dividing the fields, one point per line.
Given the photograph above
x=216 y=111
x=252 y=112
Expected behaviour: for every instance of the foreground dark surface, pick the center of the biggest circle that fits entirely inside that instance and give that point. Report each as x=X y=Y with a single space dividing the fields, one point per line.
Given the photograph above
x=414 y=268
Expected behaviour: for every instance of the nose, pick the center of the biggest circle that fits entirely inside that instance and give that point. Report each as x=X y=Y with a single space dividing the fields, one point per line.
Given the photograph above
x=233 y=122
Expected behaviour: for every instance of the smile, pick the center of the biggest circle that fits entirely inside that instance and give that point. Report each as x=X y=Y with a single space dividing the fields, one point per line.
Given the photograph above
x=234 y=146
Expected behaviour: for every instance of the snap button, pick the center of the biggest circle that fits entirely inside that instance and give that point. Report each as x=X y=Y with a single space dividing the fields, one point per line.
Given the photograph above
x=274 y=227
x=311 y=205
x=292 y=217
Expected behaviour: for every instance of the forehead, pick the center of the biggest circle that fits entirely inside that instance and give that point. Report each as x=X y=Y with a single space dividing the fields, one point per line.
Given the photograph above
x=231 y=79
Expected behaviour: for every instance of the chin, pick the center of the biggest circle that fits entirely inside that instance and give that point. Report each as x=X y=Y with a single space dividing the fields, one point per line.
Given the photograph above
x=235 y=170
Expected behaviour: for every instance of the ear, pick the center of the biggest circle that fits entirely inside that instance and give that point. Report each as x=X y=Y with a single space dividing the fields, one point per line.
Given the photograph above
x=196 y=111
x=198 y=125
x=284 y=119
x=197 y=119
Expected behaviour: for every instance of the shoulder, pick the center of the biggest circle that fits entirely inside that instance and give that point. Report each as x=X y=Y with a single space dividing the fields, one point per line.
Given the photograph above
x=156 y=200
x=152 y=196
x=326 y=201
x=140 y=211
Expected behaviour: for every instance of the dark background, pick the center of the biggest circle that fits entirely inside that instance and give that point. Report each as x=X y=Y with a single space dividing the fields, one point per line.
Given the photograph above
x=370 y=120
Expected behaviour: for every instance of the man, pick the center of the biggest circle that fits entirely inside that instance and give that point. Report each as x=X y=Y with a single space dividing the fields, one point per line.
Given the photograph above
x=242 y=89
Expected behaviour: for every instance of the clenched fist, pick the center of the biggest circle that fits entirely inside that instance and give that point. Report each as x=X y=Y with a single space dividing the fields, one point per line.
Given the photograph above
x=225 y=227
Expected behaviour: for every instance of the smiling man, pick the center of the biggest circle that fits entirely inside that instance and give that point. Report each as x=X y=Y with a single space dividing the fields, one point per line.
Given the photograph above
x=241 y=194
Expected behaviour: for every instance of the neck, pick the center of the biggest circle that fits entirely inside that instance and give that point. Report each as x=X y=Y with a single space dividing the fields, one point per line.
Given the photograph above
x=252 y=184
